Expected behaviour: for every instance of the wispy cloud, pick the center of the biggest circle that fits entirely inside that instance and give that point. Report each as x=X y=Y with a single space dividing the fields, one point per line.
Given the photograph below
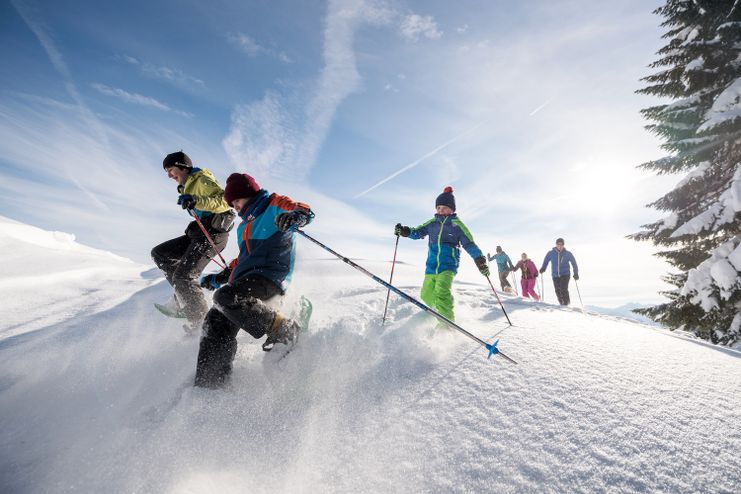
x=130 y=97
x=245 y=43
x=135 y=98
x=276 y=141
x=173 y=76
x=419 y=160
x=539 y=108
x=415 y=26
x=57 y=60
x=249 y=46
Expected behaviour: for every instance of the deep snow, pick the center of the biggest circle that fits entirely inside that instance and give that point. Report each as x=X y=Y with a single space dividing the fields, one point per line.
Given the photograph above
x=97 y=398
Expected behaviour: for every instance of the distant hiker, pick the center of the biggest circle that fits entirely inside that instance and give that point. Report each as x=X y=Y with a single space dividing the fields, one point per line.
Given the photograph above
x=504 y=266
x=446 y=233
x=560 y=258
x=529 y=273
x=257 y=277
x=184 y=258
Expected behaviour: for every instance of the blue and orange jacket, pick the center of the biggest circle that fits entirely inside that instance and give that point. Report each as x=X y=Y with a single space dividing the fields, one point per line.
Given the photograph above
x=560 y=262
x=263 y=249
x=446 y=234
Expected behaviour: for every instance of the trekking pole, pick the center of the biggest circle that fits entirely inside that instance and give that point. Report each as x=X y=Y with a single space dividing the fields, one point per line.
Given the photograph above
x=542 y=288
x=492 y=347
x=579 y=293
x=210 y=240
x=514 y=284
x=498 y=300
x=391 y=280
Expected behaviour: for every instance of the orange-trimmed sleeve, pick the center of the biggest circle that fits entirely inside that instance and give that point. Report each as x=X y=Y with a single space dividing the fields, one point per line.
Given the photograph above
x=287 y=204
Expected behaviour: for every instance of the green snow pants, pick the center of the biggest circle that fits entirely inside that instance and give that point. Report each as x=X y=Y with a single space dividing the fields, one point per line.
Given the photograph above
x=436 y=292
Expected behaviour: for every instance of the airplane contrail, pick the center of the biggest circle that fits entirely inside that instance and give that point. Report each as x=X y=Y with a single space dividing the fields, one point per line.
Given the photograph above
x=419 y=160
x=539 y=108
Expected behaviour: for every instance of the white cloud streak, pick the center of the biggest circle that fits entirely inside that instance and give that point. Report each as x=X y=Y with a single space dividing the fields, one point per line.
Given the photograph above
x=135 y=98
x=249 y=46
x=245 y=43
x=130 y=97
x=539 y=108
x=175 y=77
x=419 y=160
x=415 y=26
x=57 y=60
x=266 y=136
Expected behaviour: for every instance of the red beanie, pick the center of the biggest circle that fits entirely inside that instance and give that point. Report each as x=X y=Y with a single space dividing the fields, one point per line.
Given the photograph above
x=240 y=186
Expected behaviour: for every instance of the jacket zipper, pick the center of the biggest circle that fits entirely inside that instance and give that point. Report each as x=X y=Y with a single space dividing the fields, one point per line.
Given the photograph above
x=439 y=236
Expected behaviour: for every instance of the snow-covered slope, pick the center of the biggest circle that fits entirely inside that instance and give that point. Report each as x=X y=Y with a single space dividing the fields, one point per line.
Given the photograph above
x=47 y=277
x=102 y=402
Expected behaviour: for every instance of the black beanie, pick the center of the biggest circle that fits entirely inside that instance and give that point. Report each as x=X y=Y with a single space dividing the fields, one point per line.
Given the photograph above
x=178 y=158
x=446 y=198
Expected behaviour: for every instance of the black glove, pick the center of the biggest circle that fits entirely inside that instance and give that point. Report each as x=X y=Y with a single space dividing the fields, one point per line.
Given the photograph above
x=187 y=201
x=404 y=231
x=576 y=276
x=542 y=270
x=292 y=220
x=481 y=264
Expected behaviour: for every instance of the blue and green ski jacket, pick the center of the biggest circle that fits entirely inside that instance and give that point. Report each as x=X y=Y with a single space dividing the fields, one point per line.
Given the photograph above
x=446 y=234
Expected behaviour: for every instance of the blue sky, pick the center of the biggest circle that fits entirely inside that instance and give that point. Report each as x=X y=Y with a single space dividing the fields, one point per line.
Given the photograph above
x=527 y=110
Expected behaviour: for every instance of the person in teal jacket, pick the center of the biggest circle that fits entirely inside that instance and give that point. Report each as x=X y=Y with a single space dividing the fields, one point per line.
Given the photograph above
x=504 y=266
x=447 y=234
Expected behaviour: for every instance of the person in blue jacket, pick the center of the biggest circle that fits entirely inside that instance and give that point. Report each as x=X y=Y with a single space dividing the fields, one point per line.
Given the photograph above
x=446 y=233
x=248 y=288
x=560 y=258
x=504 y=266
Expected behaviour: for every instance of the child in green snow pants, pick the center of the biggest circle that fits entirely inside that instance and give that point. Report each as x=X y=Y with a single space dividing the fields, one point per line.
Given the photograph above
x=447 y=234
x=437 y=293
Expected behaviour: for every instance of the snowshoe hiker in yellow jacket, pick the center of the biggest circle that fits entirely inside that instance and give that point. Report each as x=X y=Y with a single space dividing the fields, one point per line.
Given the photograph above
x=184 y=258
x=447 y=234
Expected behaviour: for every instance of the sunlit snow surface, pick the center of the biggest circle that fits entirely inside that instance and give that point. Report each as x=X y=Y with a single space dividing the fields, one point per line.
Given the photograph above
x=102 y=402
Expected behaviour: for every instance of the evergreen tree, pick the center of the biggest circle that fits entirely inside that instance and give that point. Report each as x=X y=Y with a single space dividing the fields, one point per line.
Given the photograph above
x=700 y=69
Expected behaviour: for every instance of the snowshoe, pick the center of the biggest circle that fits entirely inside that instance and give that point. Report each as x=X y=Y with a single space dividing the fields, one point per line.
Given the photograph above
x=171 y=308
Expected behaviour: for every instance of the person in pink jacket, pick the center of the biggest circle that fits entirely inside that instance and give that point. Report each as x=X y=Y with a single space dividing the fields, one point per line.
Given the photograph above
x=529 y=275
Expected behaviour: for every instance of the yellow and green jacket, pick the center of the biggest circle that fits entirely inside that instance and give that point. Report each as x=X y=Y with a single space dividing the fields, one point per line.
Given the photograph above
x=446 y=234
x=209 y=196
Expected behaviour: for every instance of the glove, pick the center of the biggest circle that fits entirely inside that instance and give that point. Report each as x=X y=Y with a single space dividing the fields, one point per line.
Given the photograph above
x=404 y=231
x=481 y=264
x=209 y=282
x=576 y=276
x=187 y=201
x=215 y=280
x=291 y=220
x=542 y=270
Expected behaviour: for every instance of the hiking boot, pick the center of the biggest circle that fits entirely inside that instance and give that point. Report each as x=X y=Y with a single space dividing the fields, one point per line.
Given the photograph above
x=282 y=331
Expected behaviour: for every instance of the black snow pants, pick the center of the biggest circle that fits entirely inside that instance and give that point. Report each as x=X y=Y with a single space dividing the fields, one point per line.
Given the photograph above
x=561 y=284
x=183 y=259
x=236 y=306
x=503 y=279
